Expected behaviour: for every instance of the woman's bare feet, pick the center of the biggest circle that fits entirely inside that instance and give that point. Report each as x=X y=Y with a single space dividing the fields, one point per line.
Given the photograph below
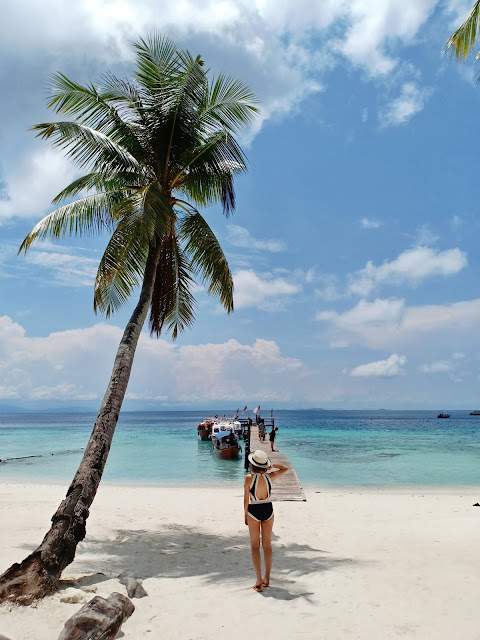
x=266 y=582
x=257 y=588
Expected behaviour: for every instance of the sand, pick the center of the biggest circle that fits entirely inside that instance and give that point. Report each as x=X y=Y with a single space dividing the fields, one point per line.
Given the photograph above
x=347 y=563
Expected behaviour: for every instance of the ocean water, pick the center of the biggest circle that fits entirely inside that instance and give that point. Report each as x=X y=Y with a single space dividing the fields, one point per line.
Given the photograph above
x=327 y=448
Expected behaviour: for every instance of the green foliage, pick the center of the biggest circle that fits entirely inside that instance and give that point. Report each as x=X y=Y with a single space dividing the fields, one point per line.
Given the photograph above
x=154 y=150
x=462 y=41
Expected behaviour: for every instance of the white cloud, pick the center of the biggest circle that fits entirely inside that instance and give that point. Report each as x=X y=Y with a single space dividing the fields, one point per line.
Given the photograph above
x=389 y=324
x=241 y=237
x=441 y=366
x=76 y=365
x=327 y=287
x=424 y=236
x=410 y=268
x=411 y=101
x=366 y=314
x=61 y=392
x=267 y=293
x=367 y=223
x=373 y=23
x=32 y=186
x=392 y=366
x=67 y=270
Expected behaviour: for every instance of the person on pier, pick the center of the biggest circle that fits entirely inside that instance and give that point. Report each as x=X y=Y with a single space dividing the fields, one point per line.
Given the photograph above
x=271 y=436
x=259 y=512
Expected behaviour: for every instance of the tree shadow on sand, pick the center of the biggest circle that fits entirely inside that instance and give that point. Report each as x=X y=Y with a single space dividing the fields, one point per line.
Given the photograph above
x=179 y=551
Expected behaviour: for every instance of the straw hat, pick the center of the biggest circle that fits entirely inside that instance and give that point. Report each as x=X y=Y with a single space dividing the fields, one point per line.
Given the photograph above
x=260 y=459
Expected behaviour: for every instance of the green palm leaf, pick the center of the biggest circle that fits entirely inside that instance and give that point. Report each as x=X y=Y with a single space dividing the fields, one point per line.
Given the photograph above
x=87 y=216
x=230 y=104
x=207 y=258
x=462 y=41
x=88 y=147
x=121 y=268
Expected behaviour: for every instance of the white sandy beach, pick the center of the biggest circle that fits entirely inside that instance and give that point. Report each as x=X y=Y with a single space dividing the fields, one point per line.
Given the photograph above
x=347 y=564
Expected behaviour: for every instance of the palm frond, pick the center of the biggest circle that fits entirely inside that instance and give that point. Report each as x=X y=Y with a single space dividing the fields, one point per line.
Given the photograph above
x=94 y=109
x=209 y=177
x=189 y=95
x=87 y=216
x=172 y=300
x=462 y=41
x=230 y=104
x=121 y=268
x=88 y=147
x=119 y=181
x=207 y=258
x=157 y=61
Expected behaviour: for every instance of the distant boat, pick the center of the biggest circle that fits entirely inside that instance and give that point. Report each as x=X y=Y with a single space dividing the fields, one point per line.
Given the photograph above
x=475 y=413
x=443 y=415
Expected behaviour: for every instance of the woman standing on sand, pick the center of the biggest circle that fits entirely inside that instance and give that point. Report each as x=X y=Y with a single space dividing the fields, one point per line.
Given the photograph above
x=259 y=512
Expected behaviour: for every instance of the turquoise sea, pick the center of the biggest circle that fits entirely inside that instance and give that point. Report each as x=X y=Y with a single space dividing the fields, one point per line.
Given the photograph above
x=327 y=448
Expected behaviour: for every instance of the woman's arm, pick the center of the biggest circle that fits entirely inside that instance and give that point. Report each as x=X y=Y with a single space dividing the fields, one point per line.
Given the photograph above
x=246 y=489
x=281 y=469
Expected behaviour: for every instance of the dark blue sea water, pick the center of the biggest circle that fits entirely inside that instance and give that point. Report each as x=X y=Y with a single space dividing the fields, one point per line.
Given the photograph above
x=327 y=448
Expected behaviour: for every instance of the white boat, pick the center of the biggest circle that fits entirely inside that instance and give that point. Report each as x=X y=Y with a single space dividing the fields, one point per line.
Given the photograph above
x=475 y=413
x=442 y=414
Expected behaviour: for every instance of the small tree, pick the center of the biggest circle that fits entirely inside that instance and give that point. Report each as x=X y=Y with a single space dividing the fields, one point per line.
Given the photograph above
x=154 y=149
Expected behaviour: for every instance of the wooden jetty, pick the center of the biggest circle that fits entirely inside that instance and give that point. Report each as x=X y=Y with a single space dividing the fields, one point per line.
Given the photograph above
x=288 y=487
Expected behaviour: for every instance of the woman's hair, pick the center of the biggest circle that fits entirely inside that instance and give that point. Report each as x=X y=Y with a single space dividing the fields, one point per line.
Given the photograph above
x=256 y=469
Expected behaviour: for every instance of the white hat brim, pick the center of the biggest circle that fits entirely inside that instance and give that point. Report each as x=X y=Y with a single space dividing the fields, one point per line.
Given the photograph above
x=259 y=464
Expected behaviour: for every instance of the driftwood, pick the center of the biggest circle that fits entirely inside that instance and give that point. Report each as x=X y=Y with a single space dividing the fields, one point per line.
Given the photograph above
x=134 y=587
x=100 y=619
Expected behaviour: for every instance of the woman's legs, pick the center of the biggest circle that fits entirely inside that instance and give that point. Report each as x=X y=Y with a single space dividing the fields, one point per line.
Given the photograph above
x=254 y=530
x=267 y=526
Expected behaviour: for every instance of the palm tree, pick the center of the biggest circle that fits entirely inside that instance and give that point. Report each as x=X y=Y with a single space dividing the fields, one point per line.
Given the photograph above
x=153 y=150
x=462 y=41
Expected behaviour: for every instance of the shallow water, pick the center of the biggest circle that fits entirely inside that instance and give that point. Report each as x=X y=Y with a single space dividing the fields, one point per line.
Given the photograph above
x=328 y=448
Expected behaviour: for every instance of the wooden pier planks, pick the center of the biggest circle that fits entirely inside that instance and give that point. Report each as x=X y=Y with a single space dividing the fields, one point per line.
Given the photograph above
x=288 y=487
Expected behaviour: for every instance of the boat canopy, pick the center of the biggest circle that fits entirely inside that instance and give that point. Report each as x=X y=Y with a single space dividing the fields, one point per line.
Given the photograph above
x=222 y=434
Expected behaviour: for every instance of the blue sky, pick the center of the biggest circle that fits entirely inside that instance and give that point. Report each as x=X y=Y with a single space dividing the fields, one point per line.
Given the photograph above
x=355 y=242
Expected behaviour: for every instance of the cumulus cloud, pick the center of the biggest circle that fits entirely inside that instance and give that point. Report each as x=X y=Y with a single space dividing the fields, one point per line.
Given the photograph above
x=389 y=368
x=411 y=101
x=268 y=293
x=367 y=223
x=241 y=237
x=76 y=364
x=391 y=324
x=370 y=314
x=32 y=186
x=410 y=268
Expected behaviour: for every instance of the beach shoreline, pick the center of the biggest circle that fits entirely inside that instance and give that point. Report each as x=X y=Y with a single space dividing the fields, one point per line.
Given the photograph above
x=353 y=563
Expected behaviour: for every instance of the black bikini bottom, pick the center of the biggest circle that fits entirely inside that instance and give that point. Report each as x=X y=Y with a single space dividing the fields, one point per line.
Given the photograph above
x=261 y=512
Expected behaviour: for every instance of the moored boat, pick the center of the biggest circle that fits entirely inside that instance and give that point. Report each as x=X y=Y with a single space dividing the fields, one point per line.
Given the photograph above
x=204 y=429
x=225 y=443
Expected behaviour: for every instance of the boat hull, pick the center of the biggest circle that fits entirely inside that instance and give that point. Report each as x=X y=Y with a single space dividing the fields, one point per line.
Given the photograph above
x=229 y=452
x=204 y=434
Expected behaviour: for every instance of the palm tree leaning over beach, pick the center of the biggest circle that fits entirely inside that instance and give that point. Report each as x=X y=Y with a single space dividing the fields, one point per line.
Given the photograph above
x=462 y=41
x=154 y=150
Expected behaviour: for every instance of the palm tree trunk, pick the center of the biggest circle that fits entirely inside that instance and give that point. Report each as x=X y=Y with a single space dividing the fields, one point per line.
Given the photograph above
x=38 y=575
